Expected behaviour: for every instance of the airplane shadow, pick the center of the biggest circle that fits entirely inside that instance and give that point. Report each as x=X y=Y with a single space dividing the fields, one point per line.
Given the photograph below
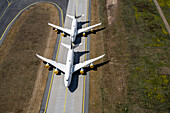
x=81 y=23
x=95 y=31
x=77 y=56
x=75 y=78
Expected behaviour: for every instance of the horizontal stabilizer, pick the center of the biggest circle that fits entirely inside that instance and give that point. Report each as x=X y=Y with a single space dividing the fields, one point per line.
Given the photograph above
x=72 y=17
x=66 y=45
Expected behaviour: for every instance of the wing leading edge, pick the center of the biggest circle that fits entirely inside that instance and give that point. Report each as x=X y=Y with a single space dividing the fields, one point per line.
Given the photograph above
x=80 y=65
x=59 y=66
x=68 y=31
x=87 y=28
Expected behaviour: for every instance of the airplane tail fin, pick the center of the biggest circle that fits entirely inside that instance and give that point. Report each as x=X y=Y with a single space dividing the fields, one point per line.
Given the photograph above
x=76 y=17
x=72 y=46
x=79 y=16
x=75 y=45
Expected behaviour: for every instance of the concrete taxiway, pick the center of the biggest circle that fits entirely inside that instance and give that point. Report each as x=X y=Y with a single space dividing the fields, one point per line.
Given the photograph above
x=57 y=98
x=75 y=98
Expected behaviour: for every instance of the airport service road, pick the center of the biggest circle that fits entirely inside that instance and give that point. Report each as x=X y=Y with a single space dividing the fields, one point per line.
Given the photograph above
x=75 y=98
x=10 y=10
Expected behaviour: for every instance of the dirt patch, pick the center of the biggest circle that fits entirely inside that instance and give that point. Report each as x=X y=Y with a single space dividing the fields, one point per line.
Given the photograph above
x=108 y=83
x=111 y=6
x=22 y=86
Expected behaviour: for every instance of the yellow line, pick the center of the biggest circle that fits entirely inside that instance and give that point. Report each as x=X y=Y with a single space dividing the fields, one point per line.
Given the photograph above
x=59 y=41
x=8 y=1
x=65 y=100
x=55 y=60
x=84 y=82
x=26 y=8
x=77 y=7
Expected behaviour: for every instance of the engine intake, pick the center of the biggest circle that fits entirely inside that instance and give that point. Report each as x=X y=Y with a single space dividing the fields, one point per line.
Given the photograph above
x=91 y=65
x=47 y=65
x=56 y=71
x=84 y=34
x=63 y=34
x=82 y=71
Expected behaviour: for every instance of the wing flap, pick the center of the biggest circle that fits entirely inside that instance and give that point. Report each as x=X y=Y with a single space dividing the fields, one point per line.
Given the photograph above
x=80 y=65
x=68 y=31
x=60 y=66
x=87 y=28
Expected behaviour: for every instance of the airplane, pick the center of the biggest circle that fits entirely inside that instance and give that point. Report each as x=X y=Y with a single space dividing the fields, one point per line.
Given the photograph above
x=73 y=32
x=69 y=68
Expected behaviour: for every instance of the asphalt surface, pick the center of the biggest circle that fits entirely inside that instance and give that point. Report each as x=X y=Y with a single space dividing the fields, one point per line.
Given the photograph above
x=10 y=10
x=75 y=98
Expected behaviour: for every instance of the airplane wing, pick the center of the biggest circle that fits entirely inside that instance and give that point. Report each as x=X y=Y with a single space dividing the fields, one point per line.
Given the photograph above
x=87 y=28
x=80 y=65
x=59 y=66
x=68 y=31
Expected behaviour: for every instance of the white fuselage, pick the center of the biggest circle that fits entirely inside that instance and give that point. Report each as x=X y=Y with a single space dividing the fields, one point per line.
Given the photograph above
x=69 y=67
x=74 y=30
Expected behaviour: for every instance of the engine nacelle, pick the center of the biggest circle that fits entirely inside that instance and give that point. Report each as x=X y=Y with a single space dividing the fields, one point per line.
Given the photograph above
x=91 y=65
x=81 y=70
x=47 y=65
x=91 y=30
x=56 y=71
x=63 y=34
x=84 y=34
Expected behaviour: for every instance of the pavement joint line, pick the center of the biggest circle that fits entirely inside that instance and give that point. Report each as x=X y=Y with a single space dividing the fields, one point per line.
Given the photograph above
x=25 y=9
x=67 y=88
x=49 y=92
x=9 y=3
x=65 y=100
x=55 y=60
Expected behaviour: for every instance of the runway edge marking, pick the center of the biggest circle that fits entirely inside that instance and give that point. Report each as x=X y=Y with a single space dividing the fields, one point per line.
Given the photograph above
x=84 y=83
x=55 y=60
x=65 y=100
x=59 y=41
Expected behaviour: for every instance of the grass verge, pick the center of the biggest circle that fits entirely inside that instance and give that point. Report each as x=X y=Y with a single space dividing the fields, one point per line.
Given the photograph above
x=148 y=43
x=136 y=80
x=19 y=66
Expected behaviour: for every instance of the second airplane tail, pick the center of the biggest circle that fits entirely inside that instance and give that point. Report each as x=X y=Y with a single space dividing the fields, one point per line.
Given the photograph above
x=72 y=46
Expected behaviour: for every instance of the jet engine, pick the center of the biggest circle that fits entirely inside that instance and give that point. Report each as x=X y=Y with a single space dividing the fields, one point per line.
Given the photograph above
x=47 y=65
x=91 y=30
x=81 y=70
x=84 y=34
x=63 y=34
x=91 y=65
x=56 y=71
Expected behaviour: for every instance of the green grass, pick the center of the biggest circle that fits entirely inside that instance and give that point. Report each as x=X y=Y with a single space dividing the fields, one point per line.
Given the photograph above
x=148 y=42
